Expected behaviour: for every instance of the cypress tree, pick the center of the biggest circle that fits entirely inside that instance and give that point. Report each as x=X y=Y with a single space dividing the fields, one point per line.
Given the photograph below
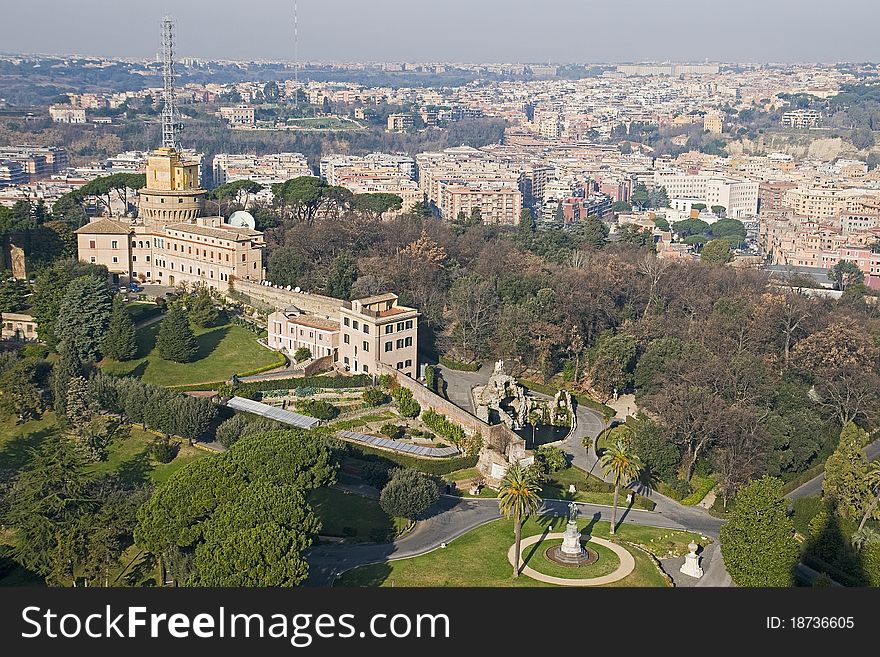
x=119 y=342
x=176 y=340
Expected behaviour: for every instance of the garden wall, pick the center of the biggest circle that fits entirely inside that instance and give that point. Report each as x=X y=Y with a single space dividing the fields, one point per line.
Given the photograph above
x=314 y=304
x=497 y=436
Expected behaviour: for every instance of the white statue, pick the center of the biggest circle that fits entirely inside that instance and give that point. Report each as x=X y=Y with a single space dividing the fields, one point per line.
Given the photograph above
x=499 y=366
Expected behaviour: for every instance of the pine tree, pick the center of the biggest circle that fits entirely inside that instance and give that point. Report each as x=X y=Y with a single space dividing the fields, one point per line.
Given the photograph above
x=119 y=342
x=77 y=407
x=68 y=366
x=176 y=340
x=83 y=316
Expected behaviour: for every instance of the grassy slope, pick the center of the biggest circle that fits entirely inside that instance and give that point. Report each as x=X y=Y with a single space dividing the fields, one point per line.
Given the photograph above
x=223 y=351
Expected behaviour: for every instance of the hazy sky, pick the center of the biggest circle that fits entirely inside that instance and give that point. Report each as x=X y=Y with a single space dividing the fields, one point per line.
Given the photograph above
x=455 y=30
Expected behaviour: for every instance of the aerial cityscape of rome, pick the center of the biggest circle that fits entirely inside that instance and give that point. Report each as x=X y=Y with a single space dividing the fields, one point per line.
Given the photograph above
x=353 y=295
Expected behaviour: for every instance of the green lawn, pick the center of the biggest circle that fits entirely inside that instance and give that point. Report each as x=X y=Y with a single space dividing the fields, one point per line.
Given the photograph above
x=535 y=557
x=129 y=456
x=353 y=517
x=479 y=558
x=16 y=440
x=223 y=351
x=324 y=123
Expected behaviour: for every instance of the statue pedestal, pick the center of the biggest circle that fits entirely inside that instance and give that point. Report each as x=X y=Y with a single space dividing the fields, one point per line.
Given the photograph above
x=571 y=541
x=691 y=566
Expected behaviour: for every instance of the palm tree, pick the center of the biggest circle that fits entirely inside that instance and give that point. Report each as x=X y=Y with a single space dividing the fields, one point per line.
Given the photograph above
x=873 y=478
x=518 y=499
x=619 y=461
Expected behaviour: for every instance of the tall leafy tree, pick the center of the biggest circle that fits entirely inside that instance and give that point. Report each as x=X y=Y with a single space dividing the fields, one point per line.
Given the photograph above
x=846 y=484
x=620 y=462
x=518 y=499
x=343 y=274
x=758 y=542
x=176 y=340
x=120 y=342
x=716 y=252
x=20 y=392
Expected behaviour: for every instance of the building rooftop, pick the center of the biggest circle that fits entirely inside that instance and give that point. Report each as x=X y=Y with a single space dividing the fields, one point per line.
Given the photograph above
x=104 y=227
x=312 y=322
x=222 y=231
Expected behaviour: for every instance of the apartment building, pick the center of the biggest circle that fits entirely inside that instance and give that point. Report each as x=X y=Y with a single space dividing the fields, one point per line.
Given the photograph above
x=739 y=197
x=290 y=329
x=12 y=173
x=801 y=118
x=335 y=167
x=399 y=122
x=378 y=330
x=826 y=202
x=771 y=195
x=36 y=161
x=240 y=115
x=263 y=169
x=500 y=203
x=67 y=114
x=714 y=122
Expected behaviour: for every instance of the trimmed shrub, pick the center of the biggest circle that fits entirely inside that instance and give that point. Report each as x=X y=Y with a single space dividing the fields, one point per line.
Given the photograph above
x=374 y=397
x=443 y=426
x=393 y=431
x=164 y=450
x=408 y=494
x=301 y=354
x=453 y=364
x=251 y=388
x=317 y=408
x=375 y=473
x=407 y=406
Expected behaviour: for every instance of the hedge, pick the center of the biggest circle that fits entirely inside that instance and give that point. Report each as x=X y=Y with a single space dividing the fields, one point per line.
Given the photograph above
x=357 y=381
x=437 y=467
x=442 y=425
x=606 y=411
x=458 y=365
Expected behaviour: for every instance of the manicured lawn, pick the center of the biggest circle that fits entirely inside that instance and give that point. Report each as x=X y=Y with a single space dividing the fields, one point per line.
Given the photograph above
x=16 y=440
x=130 y=457
x=128 y=454
x=223 y=351
x=535 y=557
x=463 y=475
x=479 y=558
x=588 y=489
x=356 y=518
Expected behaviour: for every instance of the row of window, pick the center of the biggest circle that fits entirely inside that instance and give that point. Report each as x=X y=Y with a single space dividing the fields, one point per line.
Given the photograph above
x=401 y=343
x=389 y=328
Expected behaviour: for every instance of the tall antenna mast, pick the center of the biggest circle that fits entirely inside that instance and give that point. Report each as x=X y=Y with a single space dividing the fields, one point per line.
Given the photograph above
x=169 y=111
x=296 y=49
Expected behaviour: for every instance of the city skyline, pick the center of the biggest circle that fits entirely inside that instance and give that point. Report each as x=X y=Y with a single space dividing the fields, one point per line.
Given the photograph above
x=785 y=31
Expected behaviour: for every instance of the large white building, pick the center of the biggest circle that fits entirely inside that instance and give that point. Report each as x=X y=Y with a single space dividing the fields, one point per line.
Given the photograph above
x=738 y=196
x=263 y=169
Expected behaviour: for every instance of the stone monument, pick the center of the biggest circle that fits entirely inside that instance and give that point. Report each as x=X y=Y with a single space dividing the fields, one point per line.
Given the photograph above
x=571 y=541
x=691 y=565
x=571 y=552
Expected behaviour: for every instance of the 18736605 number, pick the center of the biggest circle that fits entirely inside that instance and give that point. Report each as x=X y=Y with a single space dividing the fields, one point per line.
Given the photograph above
x=811 y=622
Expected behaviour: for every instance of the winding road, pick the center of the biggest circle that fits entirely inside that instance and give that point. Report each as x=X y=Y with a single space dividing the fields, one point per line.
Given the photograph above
x=455 y=516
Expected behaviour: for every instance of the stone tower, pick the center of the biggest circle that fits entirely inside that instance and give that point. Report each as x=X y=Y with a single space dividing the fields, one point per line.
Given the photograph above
x=172 y=194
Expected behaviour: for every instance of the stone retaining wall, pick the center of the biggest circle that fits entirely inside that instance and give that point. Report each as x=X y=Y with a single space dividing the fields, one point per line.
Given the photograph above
x=496 y=436
x=313 y=304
